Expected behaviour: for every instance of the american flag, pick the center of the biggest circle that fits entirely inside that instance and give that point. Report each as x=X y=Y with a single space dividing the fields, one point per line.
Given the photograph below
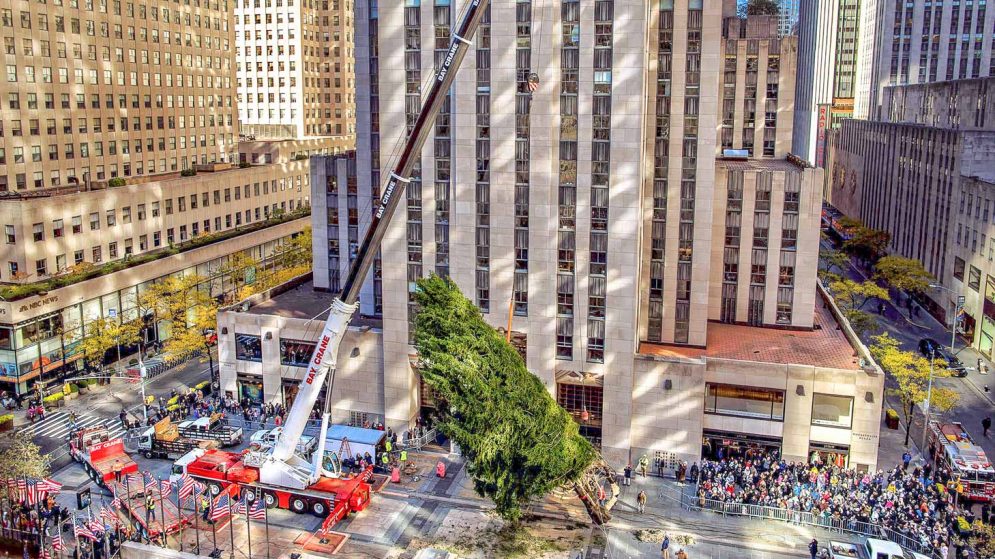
x=108 y=516
x=149 y=478
x=186 y=486
x=44 y=554
x=57 y=542
x=95 y=525
x=165 y=486
x=81 y=531
x=31 y=494
x=134 y=478
x=239 y=507
x=533 y=82
x=257 y=511
x=49 y=487
x=22 y=488
x=221 y=508
x=116 y=502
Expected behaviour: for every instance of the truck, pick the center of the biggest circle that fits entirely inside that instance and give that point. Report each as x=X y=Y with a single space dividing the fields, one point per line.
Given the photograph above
x=952 y=446
x=181 y=463
x=871 y=548
x=264 y=439
x=163 y=440
x=100 y=454
x=280 y=474
x=212 y=428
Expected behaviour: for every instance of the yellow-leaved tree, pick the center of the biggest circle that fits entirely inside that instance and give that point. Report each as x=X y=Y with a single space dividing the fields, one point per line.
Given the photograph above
x=911 y=371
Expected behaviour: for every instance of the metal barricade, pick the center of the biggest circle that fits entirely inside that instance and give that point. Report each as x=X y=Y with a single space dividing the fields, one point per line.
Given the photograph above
x=692 y=502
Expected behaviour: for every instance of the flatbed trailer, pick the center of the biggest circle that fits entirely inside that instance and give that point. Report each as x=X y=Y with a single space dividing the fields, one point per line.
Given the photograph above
x=132 y=490
x=213 y=428
x=100 y=454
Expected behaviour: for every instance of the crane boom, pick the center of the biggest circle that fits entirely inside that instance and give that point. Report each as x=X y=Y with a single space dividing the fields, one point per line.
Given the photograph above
x=280 y=466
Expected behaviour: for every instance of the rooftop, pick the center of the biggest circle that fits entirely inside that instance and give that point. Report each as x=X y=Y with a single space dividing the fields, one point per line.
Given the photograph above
x=824 y=346
x=303 y=302
x=758 y=164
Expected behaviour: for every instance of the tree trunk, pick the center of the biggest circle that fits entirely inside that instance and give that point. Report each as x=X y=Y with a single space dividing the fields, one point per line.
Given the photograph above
x=908 y=428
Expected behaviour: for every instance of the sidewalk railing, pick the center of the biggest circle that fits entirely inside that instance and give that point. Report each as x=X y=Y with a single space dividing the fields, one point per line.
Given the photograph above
x=417 y=443
x=690 y=501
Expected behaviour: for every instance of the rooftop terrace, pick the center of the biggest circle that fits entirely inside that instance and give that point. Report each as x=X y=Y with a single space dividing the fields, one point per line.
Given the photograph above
x=303 y=302
x=824 y=346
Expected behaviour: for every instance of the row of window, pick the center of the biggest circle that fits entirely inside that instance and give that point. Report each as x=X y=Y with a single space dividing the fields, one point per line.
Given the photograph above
x=113 y=252
x=58 y=229
x=751 y=402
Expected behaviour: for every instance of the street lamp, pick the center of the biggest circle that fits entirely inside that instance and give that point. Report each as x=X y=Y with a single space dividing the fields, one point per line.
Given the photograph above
x=957 y=307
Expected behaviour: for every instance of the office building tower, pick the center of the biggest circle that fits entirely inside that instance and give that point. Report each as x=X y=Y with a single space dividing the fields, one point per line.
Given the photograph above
x=639 y=261
x=827 y=73
x=98 y=90
x=295 y=68
x=923 y=41
x=925 y=173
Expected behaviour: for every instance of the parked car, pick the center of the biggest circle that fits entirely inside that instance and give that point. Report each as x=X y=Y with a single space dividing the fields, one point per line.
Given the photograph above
x=931 y=348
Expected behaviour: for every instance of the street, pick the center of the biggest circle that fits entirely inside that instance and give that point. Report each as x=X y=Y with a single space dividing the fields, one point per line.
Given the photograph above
x=975 y=402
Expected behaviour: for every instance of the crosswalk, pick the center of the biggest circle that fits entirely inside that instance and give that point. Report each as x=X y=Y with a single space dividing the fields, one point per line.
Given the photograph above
x=57 y=425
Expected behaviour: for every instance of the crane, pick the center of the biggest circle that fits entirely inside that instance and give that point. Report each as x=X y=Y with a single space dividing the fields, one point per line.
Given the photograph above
x=282 y=467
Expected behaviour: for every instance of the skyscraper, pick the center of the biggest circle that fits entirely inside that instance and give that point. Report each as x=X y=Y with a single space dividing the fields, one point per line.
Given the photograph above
x=295 y=68
x=922 y=41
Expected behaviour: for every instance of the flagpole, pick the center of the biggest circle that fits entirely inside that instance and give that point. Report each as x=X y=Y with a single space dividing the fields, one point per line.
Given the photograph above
x=79 y=550
x=231 y=528
x=179 y=515
x=162 y=514
x=127 y=491
x=196 y=516
x=262 y=496
x=214 y=525
x=248 y=527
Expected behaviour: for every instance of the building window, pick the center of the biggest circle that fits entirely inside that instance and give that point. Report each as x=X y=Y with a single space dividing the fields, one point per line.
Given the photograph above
x=974 y=279
x=832 y=411
x=10 y=234
x=295 y=353
x=248 y=348
x=38 y=232
x=744 y=401
x=959 y=266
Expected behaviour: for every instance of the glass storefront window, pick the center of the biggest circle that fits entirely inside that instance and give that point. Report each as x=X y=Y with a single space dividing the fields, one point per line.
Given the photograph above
x=8 y=363
x=248 y=348
x=129 y=298
x=26 y=335
x=743 y=401
x=72 y=317
x=26 y=358
x=91 y=311
x=295 y=353
x=832 y=411
x=111 y=305
x=6 y=338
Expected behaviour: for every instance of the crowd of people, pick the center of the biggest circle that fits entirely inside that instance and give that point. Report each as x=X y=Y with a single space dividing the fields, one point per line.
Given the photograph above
x=911 y=500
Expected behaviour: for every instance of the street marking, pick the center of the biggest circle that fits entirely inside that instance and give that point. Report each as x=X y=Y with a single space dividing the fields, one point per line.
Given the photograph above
x=57 y=425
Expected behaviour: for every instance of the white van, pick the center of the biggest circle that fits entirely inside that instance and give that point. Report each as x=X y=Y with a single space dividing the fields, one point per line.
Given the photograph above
x=872 y=548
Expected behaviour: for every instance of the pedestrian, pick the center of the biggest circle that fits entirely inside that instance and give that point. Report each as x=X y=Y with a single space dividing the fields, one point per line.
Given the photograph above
x=986 y=423
x=404 y=458
x=205 y=506
x=149 y=507
x=906 y=459
x=641 y=502
x=944 y=550
x=881 y=308
x=813 y=547
x=627 y=478
x=644 y=463
x=117 y=471
x=665 y=547
x=440 y=469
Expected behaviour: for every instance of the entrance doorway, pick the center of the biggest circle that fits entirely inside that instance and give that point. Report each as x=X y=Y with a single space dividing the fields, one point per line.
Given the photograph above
x=829 y=454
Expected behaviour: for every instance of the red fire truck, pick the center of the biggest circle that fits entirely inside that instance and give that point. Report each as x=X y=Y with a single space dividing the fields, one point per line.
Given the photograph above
x=100 y=454
x=966 y=460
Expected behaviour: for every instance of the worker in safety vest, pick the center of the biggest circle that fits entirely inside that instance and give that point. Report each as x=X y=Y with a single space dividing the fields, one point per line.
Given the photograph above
x=404 y=457
x=149 y=507
x=205 y=506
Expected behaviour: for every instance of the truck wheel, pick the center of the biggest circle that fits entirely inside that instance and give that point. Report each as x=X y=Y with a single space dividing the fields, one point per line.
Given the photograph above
x=147 y=454
x=214 y=488
x=270 y=500
x=250 y=495
x=319 y=508
x=298 y=505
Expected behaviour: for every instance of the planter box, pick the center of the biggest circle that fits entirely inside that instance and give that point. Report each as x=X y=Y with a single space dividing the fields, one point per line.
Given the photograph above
x=6 y=426
x=891 y=421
